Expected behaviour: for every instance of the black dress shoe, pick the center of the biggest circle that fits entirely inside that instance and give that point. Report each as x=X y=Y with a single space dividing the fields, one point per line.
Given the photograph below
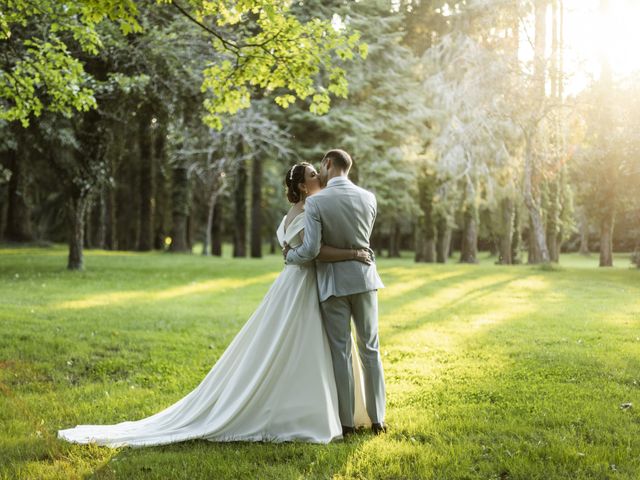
x=346 y=431
x=378 y=428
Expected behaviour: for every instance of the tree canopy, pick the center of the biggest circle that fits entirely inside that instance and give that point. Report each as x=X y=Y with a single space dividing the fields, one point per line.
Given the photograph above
x=257 y=44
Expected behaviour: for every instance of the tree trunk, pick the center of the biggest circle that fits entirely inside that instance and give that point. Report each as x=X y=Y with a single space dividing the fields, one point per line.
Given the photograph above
x=610 y=171
x=208 y=230
x=540 y=45
x=18 y=228
x=211 y=217
x=510 y=235
x=469 y=246
x=494 y=245
x=76 y=210
x=430 y=249
x=469 y=249
x=216 y=230
x=109 y=194
x=398 y=241
x=191 y=226
x=376 y=241
x=180 y=212
x=127 y=200
x=101 y=235
x=391 y=242
x=565 y=204
x=538 y=252
x=161 y=208
x=240 y=214
x=517 y=236
x=429 y=240
x=555 y=181
x=112 y=223
x=584 y=233
x=147 y=177
x=88 y=244
x=3 y=218
x=533 y=250
x=554 y=66
x=426 y=245
x=256 y=208
x=419 y=245
x=606 y=240
x=443 y=239
x=426 y=241
x=395 y=236
x=553 y=219
x=506 y=231
x=272 y=244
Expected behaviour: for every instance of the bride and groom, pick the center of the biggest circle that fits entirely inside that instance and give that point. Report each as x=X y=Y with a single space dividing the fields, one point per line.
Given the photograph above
x=293 y=371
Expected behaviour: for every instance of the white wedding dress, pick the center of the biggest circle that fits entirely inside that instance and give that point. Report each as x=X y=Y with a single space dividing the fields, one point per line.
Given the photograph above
x=273 y=383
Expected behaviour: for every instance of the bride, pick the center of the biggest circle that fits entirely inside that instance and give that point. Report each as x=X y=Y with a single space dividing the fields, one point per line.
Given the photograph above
x=275 y=381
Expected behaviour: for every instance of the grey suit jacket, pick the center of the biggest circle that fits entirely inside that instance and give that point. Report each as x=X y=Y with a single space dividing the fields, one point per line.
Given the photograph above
x=342 y=215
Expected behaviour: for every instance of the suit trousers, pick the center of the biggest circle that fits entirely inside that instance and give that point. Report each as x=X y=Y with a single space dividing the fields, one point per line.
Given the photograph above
x=336 y=314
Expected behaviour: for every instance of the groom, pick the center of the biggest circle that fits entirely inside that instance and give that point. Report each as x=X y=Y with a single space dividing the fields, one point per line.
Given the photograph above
x=342 y=215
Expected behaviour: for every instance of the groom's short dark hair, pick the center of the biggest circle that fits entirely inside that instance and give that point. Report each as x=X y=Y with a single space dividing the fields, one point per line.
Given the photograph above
x=339 y=158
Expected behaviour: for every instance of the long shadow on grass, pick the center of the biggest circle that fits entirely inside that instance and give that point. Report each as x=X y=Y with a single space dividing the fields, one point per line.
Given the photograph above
x=437 y=303
x=512 y=398
x=128 y=297
x=434 y=439
x=457 y=437
x=409 y=453
x=266 y=461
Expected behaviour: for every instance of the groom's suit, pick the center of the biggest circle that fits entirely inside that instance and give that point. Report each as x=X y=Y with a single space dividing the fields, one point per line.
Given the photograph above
x=342 y=215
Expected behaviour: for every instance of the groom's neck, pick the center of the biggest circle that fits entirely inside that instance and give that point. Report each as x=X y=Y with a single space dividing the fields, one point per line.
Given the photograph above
x=336 y=175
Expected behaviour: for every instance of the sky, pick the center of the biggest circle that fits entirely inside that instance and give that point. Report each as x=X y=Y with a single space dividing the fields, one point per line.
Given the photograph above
x=589 y=34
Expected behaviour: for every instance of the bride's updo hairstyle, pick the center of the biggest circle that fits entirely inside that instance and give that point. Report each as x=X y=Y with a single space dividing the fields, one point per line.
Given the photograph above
x=294 y=177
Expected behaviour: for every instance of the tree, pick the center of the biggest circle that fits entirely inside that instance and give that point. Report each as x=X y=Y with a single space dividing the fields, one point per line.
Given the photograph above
x=383 y=122
x=612 y=157
x=39 y=72
x=606 y=164
x=471 y=129
x=538 y=251
x=261 y=43
x=250 y=51
x=17 y=152
x=251 y=136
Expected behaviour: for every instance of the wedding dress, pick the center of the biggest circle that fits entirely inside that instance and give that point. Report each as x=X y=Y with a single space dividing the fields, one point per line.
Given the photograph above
x=273 y=383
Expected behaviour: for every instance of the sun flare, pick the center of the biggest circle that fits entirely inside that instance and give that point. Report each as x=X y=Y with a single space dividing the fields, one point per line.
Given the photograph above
x=591 y=35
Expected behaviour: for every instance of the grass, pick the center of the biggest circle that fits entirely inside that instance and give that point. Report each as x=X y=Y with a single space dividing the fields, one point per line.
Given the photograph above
x=492 y=372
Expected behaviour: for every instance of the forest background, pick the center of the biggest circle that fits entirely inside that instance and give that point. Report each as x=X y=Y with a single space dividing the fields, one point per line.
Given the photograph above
x=140 y=126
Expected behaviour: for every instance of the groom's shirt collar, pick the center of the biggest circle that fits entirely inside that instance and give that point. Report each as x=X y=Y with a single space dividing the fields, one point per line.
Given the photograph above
x=338 y=181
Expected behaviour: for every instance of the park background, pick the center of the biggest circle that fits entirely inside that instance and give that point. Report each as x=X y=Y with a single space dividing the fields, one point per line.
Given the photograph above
x=143 y=147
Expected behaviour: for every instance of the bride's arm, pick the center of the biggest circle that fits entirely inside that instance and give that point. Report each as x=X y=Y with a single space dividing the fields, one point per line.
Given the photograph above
x=333 y=254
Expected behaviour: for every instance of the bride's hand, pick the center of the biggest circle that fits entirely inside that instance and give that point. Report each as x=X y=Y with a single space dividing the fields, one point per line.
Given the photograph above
x=285 y=250
x=363 y=255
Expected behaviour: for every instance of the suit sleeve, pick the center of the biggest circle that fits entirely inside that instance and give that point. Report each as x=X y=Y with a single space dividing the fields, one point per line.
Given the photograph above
x=374 y=206
x=310 y=247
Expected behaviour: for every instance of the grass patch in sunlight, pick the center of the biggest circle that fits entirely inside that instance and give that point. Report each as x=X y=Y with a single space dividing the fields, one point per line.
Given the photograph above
x=492 y=371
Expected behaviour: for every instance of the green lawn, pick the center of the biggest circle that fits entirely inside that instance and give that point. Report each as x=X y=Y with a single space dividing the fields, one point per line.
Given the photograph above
x=492 y=372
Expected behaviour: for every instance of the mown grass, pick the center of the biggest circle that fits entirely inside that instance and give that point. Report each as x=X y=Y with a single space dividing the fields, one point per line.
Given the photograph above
x=492 y=372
